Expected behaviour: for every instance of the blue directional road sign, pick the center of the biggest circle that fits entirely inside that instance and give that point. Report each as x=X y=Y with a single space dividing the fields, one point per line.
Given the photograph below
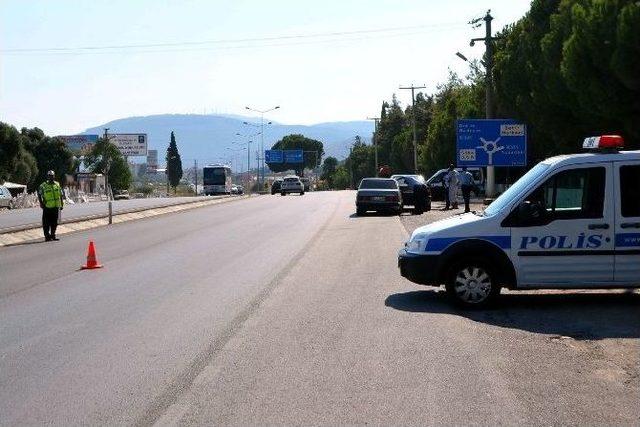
x=293 y=156
x=273 y=156
x=491 y=142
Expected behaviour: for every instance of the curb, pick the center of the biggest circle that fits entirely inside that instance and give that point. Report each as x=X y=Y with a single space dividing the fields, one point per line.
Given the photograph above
x=94 y=221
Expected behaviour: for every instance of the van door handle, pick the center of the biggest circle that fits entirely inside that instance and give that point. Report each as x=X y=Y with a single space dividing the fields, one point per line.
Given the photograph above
x=598 y=226
x=630 y=225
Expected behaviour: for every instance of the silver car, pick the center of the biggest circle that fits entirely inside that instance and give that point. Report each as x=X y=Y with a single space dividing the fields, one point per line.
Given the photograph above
x=378 y=194
x=291 y=184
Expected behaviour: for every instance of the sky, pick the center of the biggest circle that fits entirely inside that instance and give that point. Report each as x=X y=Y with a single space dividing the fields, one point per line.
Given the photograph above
x=68 y=65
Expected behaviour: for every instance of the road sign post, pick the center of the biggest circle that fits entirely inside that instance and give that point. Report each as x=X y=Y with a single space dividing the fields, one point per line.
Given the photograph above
x=491 y=142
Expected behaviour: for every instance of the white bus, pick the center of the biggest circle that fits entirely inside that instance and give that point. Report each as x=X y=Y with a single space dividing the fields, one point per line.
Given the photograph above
x=216 y=179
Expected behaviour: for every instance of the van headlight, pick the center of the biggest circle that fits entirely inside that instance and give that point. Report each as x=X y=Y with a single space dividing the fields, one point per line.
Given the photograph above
x=416 y=244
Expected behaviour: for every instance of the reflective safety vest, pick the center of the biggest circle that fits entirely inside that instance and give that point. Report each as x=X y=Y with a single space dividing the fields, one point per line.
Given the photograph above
x=51 y=194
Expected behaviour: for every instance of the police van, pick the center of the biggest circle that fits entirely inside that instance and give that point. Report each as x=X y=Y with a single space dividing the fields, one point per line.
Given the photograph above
x=573 y=221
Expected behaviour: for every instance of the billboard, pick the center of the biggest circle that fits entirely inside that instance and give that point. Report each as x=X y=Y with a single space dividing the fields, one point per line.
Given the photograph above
x=293 y=156
x=152 y=160
x=491 y=142
x=79 y=144
x=130 y=144
x=273 y=156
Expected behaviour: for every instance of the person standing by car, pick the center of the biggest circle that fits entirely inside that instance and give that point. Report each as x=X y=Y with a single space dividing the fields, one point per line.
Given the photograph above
x=452 y=179
x=466 y=184
x=445 y=187
x=51 y=201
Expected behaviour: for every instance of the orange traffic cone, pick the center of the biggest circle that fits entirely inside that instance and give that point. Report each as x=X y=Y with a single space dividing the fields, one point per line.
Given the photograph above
x=92 y=260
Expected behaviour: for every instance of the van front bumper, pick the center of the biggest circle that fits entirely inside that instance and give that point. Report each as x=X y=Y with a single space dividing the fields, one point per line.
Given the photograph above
x=418 y=268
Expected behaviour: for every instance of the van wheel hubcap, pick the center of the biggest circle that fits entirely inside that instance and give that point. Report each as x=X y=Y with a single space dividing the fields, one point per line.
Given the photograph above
x=472 y=284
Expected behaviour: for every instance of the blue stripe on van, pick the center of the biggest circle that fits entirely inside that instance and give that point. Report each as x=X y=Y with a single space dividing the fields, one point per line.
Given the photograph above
x=627 y=240
x=440 y=243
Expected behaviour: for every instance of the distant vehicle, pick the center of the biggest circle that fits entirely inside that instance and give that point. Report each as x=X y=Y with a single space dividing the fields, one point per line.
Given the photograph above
x=291 y=184
x=121 y=195
x=5 y=198
x=378 y=194
x=436 y=186
x=306 y=183
x=237 y=189
x=216 y=179
x=275 y=187
x=414 y=192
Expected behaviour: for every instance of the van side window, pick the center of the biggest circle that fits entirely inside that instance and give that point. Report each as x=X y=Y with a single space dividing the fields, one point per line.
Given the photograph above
x=630 y=190
x=572 y=194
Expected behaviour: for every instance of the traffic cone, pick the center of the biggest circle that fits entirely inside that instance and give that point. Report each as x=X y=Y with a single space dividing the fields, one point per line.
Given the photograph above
x=92 y=260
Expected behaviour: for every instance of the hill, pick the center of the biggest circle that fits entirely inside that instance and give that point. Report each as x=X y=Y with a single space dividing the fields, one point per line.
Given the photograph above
x=206 y=137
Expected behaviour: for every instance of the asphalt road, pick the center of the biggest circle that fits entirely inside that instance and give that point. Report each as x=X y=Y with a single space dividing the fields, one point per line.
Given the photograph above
x=33 y=216
x=290 y=310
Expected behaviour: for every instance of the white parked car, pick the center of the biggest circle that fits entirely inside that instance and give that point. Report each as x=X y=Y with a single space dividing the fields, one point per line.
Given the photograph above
x=571 y=222
x=5 y=198
x=291 y=184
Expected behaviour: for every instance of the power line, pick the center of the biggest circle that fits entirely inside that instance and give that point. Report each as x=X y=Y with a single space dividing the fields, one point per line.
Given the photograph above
x=260 y=41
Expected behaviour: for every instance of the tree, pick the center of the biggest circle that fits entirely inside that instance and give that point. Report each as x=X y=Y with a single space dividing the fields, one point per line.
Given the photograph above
x=569 y=70
x=174 y=163
x=11 y=147
x=329 y=169
x=105 y=158
x=313 y=152
x=52 y=154
x=361 y=161
x=341 y=178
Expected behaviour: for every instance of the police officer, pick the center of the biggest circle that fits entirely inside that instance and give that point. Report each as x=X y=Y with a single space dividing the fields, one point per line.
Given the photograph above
x=51 y=202
x=466 y=184
x=453 y=180
x=445 y=187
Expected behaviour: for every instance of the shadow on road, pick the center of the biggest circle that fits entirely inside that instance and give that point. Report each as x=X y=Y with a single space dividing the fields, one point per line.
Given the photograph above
x=582 y=316
x=372 y=213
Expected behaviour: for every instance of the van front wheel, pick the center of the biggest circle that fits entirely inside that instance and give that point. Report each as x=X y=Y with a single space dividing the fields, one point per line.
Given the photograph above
x=472 y=284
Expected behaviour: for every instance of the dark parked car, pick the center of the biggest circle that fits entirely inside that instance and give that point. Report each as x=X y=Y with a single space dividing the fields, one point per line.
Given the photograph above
x=436 y=186
x=378 y=194
x=275 y=187
x=415 y=192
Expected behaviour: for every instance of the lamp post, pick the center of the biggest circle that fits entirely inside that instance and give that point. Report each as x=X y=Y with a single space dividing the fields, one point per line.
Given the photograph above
x=249 y=142
x=262 y=113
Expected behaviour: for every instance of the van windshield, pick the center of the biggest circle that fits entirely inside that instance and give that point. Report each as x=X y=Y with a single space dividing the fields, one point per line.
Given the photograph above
x=515 y=190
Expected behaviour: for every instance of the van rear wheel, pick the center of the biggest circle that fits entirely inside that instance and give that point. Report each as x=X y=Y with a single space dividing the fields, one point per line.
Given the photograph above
x=472 y=284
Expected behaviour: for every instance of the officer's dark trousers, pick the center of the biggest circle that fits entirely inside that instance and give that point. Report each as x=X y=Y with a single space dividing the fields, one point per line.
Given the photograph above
x=466 y=195
x=447 y=202
x=49 y=222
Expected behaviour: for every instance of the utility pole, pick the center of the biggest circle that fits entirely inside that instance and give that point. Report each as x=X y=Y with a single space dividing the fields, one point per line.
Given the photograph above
x=488 y=40
x=376 y=120
x=107 y=167
x=415 y=134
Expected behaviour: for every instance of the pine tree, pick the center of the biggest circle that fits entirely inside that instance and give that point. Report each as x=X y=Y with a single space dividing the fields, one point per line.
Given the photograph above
x=174 y=163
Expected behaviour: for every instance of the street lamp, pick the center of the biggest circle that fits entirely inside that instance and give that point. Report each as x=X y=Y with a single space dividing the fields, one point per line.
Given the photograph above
x=461 y=56
x=249 y=142
x=262 y=113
